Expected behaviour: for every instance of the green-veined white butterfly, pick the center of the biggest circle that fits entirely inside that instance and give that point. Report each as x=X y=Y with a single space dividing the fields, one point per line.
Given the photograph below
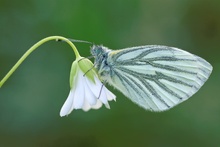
x=155 y=77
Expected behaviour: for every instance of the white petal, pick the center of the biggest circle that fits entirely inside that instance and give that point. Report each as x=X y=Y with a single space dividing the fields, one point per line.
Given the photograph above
x=67 y=106
x=110 y=95
x=103 y=96
x=86 y=105
x=100 y=87
x=89 y=96
x=107 y=105
x=95 y=87
x=80 y=91
x=97 y=105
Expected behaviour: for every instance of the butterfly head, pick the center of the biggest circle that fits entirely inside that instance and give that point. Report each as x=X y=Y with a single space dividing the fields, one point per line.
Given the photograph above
x=100 y=54
x=98 y=50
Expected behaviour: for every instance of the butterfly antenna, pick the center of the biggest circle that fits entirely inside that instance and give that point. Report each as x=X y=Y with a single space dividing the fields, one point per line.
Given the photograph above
x=83 y=41
x=74 y=40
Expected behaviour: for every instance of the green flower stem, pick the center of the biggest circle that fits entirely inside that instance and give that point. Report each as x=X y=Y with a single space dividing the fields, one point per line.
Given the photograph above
x=35 y=46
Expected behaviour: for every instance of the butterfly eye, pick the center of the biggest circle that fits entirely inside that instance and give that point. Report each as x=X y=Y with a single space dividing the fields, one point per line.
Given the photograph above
x=105 y=62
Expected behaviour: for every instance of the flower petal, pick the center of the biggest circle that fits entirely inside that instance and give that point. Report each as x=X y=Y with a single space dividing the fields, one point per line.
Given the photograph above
x=67 y=106
x=79 y=92
x=97 y=105
x=95 y=87
x=86 y=105
x=89 y=96
x=110 y=95
x=102 y=96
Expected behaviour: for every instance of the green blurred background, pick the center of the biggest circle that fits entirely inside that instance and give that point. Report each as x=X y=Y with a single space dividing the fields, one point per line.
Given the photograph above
x=31 y=99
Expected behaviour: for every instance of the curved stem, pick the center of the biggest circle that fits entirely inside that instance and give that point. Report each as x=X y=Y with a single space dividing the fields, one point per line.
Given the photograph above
x=35 y=46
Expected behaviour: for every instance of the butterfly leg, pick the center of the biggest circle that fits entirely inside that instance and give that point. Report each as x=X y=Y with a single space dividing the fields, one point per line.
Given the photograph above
x=104 y=82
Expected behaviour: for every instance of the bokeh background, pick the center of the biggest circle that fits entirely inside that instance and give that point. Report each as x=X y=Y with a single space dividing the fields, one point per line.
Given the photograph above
x=31 y=99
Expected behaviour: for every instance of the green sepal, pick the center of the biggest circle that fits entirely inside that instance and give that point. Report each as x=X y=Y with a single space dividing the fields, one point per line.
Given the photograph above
x=87 y=68
x=73 y=72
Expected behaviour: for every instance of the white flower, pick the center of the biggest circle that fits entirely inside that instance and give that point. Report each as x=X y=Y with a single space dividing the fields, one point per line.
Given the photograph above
x=86 y=90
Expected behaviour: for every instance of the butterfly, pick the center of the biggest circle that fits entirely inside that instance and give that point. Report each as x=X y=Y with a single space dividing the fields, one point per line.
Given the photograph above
x=154 y=77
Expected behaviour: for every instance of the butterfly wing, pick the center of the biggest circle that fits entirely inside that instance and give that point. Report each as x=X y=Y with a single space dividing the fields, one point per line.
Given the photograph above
x=157 y=77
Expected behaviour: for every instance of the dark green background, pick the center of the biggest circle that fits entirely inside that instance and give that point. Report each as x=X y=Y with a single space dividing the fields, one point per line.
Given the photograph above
x=31 y=99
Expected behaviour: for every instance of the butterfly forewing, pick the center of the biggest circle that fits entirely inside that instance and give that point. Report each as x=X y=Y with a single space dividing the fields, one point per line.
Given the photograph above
x=154 y=77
